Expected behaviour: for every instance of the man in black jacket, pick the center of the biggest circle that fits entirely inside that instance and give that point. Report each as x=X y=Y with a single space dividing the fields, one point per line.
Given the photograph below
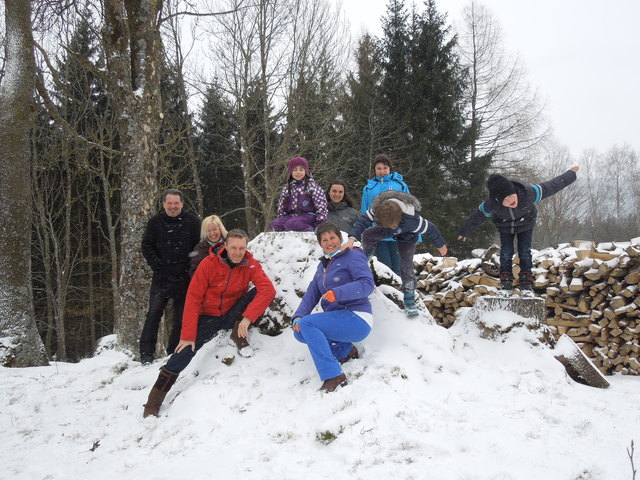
x=511 y=206
x=167 y=241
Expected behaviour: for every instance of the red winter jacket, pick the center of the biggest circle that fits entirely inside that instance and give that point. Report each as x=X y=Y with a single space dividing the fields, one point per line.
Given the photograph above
x=216 y=287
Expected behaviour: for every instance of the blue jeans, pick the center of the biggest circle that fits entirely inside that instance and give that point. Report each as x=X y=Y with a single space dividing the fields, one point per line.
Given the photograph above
x=329 y=336
x=507 y=250
x=208 y=326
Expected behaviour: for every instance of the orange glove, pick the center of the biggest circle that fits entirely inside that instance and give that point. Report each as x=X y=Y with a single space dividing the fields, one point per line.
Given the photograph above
x=330 y=296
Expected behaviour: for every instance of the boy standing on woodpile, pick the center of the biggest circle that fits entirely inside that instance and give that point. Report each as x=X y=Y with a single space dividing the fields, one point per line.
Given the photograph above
x=511 y=206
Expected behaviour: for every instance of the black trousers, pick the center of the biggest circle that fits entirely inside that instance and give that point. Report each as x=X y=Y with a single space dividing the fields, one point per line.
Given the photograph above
x=158 y=300
x=208 y=326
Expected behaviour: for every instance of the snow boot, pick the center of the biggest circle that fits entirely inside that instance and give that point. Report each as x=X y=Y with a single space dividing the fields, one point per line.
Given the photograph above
x=526 y=284
x=506 y=284
x=352 y=354
x=163 y=384
x=331 y=384
x=244 y=350
x=146 y=359
x=410 y=308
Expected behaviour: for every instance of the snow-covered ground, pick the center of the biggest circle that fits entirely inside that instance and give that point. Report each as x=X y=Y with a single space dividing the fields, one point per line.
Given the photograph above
x=423 y=402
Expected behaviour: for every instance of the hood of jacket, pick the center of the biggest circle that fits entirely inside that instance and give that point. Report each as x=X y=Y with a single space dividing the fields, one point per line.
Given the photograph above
x=403 y=197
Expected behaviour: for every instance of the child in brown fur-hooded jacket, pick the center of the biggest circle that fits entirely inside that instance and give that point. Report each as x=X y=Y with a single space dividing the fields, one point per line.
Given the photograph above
x=397 y=215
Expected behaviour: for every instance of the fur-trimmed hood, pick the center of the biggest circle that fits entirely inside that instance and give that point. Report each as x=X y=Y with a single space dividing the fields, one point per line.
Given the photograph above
x=409 y=204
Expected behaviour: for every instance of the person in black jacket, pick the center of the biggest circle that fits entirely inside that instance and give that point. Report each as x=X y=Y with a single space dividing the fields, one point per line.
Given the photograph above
x=167 y=241
x=511 y=206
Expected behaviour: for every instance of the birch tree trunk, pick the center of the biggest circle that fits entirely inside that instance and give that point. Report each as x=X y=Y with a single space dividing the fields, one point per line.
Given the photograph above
x=20 y=344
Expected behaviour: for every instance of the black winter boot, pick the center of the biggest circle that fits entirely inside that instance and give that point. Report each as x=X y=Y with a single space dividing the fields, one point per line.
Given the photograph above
x=163 y=384
x=506 y=284
x=526 y=284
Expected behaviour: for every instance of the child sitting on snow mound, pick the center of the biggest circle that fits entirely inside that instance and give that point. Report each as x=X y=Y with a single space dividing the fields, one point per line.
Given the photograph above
x=511 y=206
x=397 y=215
x=302 y=204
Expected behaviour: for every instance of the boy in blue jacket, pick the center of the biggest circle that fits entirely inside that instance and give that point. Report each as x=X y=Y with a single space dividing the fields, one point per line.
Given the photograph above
x=511 y=206
x=397 y=215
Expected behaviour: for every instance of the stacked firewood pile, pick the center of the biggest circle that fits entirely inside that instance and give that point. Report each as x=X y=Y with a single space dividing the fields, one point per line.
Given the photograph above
x=591 y=293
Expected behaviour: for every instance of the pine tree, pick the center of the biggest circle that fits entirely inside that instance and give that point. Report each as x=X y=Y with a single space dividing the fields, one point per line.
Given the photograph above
x=424 y=88
x=365 y=117
x=219 y=159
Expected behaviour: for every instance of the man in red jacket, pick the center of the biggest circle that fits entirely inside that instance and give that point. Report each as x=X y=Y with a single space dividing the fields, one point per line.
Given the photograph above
x=218 y=298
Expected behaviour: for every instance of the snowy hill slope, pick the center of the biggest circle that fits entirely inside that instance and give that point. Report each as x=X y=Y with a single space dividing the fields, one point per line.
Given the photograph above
x=424 y=402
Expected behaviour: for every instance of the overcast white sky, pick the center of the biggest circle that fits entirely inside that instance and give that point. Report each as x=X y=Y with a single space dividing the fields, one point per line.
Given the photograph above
x=583 y=56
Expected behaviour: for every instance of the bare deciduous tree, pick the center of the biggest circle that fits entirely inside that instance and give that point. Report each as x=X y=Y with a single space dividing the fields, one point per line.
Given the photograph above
x=559 y=216
x=20 y=344
x=133 y=49
x=272 y=57
x=505 y=114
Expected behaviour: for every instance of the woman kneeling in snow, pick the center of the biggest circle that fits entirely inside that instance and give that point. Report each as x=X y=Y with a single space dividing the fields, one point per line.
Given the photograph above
x=343 y=283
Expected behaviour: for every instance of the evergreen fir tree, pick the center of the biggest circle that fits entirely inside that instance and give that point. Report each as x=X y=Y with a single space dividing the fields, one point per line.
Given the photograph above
x=219 y=159
x=424 y=87
x=365 y=118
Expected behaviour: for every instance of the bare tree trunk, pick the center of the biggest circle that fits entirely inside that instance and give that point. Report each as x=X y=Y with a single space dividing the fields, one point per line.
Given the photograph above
x=134 y=50
x=90 y=273
x=20 y=344
x=107 y=191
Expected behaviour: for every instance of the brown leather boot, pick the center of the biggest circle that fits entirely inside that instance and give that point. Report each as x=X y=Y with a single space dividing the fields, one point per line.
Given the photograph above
x=332 y=383
x=241 y=343
x=352 y=354
x=163 y=384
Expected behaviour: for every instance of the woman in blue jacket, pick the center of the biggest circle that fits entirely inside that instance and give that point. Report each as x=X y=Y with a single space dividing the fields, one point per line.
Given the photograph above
x=342 y=285
x=385 y=179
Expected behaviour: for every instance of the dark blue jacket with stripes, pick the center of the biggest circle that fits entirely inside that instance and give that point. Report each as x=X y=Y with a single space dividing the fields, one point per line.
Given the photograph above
x=523 y=217
x=412 y=225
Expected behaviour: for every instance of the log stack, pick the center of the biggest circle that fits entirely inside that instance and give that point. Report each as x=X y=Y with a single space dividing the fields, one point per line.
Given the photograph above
x=591 y=294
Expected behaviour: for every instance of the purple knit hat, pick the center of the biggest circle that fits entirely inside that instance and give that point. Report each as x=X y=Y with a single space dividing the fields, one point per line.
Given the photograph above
x=298 y=162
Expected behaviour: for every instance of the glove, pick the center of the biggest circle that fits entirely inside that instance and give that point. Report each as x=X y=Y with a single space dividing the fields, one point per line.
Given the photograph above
x=330 y=296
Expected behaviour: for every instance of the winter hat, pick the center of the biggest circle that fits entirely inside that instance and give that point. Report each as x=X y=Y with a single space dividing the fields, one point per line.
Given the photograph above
x=298 y=162
x=500 y=187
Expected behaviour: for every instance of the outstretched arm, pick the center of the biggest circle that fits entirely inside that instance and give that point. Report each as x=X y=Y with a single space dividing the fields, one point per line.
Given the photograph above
x=476 y=219
x=553 y=186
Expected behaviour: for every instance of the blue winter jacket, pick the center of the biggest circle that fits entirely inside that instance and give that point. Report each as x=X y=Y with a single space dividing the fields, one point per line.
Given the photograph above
x=377 y=185
x=350 y=278
x=523 y=217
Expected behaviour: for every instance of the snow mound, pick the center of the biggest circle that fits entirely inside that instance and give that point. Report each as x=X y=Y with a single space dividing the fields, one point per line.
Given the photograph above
x=421 y=399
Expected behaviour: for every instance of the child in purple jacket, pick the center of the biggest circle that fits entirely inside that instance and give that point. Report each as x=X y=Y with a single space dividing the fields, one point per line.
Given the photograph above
x=302 y=204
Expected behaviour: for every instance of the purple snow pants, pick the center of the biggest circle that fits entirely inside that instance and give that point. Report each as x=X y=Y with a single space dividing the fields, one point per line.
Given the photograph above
x=303 y=222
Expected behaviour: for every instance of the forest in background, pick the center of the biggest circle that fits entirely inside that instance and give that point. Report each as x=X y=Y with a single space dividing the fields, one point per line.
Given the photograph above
x=130 y=98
